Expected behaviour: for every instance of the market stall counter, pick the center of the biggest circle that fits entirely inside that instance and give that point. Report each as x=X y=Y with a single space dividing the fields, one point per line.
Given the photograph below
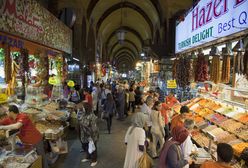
x=218 y=122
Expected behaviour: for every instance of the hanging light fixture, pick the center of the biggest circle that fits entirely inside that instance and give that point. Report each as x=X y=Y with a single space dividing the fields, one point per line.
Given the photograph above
x=121 y=35
x=121 y=32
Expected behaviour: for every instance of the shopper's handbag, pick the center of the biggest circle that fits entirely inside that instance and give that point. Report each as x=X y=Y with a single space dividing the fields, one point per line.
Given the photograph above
x=91 y=147
x=105 y=115
x=145 y=161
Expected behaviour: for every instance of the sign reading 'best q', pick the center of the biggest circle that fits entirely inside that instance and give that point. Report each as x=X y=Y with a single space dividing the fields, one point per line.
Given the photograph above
x=210 y=20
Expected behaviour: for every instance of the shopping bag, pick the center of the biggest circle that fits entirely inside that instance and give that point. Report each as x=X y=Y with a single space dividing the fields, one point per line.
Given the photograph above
x=145 y=161
x=91 y=147
x=104 y=115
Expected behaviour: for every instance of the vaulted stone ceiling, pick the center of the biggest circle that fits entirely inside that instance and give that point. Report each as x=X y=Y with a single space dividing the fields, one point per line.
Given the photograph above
x=141 y=19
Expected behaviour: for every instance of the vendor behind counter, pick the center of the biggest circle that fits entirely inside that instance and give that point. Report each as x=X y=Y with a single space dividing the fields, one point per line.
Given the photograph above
x=29 y=135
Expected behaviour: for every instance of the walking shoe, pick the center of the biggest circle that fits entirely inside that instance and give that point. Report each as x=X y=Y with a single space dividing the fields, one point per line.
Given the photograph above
x=93 y=164
x=85 y=160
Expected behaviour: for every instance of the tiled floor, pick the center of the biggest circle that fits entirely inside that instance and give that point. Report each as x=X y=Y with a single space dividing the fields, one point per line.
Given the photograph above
x=111 y=148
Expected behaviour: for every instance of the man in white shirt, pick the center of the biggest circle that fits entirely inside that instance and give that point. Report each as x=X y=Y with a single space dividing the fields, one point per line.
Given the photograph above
x=146 y=109
x=188 y=146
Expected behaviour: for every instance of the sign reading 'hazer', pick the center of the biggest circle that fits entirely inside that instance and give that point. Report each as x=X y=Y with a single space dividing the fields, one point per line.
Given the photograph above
x=211 y=20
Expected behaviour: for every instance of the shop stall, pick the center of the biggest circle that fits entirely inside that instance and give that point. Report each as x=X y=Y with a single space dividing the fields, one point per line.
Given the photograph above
x=211 y=64
x=33 y=43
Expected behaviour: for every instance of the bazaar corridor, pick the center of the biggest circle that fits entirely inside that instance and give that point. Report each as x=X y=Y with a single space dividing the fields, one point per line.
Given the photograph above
x=111 y=147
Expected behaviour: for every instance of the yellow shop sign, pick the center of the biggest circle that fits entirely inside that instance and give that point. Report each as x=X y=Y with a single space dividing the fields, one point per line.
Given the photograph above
x=171 y=84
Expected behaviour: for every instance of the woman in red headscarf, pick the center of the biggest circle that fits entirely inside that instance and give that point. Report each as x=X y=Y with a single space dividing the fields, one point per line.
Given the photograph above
x=171 y=155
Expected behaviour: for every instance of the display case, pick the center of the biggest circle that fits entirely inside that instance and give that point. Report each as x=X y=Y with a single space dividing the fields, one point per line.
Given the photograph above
x=218 y=121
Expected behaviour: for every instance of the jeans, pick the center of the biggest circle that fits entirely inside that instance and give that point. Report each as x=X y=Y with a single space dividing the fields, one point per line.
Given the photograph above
x=93 y=155
x=109 y=122
x=132 y=104
x=157 y=137
x=40 y=151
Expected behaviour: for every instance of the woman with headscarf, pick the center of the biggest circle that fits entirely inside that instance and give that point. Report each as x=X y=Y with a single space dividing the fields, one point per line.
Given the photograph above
x=171 y=155
x=89 y=132
x=135 y=141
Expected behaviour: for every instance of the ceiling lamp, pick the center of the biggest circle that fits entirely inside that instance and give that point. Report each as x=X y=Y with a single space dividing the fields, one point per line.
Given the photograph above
x=121 y=35
x=121 y=32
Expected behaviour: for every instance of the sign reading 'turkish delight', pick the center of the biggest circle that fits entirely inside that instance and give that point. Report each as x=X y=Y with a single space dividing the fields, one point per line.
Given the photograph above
x=210 y=20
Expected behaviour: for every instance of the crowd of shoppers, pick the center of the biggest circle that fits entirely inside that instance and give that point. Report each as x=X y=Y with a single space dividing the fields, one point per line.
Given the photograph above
x=155 y=129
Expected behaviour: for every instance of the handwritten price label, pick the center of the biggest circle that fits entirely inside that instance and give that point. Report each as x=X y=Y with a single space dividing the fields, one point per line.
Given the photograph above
x=3 y=98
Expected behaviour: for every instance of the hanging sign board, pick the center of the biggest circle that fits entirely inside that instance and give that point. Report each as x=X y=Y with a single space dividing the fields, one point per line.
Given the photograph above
x=71 y=83
x=211 y=20
x=29 y=20
x=3 y=98
x=171 y=84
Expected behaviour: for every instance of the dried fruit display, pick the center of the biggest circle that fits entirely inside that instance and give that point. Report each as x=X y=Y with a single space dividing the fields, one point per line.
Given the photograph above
x=215 y=69
x=209 y=128
x=206 y=112
x=198 y=119
x=238 y=148
x=42 y=126
x=201 y=71
x=236 y=125
x=244 y=118
x=226 y=68
x=218 y=118
x=242 y=132
x=226 y=124
x=203 y=102
x=226 y=138
x=201 y=139
x=182 y=75
x=216 y=132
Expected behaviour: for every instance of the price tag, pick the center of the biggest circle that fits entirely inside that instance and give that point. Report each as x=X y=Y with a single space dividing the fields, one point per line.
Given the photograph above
x=53 y=81
x=70 y=83
x=171 y=84
x=3 y=98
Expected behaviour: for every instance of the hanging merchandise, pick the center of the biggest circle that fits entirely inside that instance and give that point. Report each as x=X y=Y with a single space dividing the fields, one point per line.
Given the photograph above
x=24 y=67
x=41 y=65
x=7 y=63
x=174 y=69
x=201 y=71
x=246 y=64
x=191 y=70
x=215 y=69
x=239 y=67
x=183 y=72
x=226 y=67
